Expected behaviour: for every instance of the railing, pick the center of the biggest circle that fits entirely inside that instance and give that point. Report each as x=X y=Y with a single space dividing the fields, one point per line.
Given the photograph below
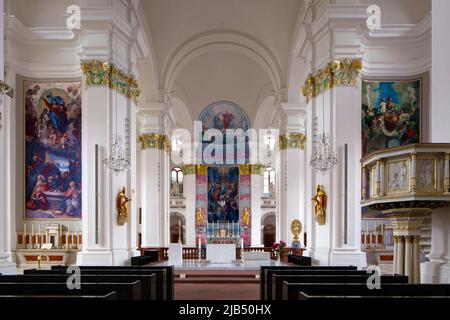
x=192 y=252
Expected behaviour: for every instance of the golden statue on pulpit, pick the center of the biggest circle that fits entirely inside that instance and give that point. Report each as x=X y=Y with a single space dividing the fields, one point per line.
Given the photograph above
x=320 y=204
x=122 y=208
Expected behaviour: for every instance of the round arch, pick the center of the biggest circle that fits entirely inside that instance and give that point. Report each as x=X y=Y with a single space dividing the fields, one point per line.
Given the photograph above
x=222 y=41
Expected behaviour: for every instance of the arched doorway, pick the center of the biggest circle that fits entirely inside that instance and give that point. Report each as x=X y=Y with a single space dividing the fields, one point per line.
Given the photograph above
x=177 y=220
x=268 y=229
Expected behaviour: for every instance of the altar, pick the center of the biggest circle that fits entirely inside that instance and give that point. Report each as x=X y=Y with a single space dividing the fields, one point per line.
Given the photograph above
x=220 y=253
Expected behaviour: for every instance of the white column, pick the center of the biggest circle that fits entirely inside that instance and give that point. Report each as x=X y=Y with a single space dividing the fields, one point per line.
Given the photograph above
x=409 y=258
x=394 y=264
x=155 y=223
x=6 y=266
x=416 y=260
x=104 y=113
x=437 y=269
x=189 y=193
x=290 y=171
x=255 y=213
x=401 y=255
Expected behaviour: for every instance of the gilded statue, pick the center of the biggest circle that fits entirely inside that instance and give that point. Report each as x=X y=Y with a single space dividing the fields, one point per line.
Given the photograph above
x=320 y=204
x=199 y=216
x=122 y=208
x=246 y=217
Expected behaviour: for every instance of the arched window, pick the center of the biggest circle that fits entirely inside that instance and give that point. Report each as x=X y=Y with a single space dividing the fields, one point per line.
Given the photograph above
x=269 y=181
x=176 y=182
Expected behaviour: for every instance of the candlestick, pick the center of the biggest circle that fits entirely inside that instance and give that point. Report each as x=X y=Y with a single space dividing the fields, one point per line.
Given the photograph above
x=67 y=237
x=199 y=249
x=242 y=250
x=25 y=234
x=32 y=236
x=40 y=236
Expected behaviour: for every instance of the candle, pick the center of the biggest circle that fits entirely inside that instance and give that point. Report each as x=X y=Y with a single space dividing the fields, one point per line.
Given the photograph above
x=32 y=234
x=40 y=236
x=25 y=233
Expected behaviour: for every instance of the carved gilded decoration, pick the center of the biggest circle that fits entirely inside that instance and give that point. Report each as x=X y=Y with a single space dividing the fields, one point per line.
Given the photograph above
x=292 y=141
x=251 y=169
x=99 y=73
x=344 y=72
x=244 y=169
x=189 y=169
x=155 y=141
x=202 y=169
x=257 y=169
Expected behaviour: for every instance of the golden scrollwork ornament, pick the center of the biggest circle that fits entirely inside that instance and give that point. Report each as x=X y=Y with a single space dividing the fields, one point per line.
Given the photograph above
x=296 y=229
x=320 y=204
x=122 y=208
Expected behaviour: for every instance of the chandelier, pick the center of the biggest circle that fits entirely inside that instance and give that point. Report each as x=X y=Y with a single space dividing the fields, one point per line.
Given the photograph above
x=323 y=157
x=117 y=160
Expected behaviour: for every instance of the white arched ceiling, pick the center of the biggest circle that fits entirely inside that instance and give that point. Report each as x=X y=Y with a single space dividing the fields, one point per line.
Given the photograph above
x=222 y=41
x=181 y=114
x=222 y=76
x=267 y=112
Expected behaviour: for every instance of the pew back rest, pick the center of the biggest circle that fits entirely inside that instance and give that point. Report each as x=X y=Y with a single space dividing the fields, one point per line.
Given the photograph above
x=291 y=290
x=277 y=280
x=263 y=269
x=125 y=291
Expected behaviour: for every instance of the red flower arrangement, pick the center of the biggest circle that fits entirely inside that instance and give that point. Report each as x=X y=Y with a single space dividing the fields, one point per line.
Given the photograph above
x=279 y=247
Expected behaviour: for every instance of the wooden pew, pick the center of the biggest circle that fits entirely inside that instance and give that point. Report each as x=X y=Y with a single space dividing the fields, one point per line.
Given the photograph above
x=148 y=282
x=160 y=280
x=269 y=273
x=264 y=269
x=125 y=291
x=277 y=280
x=169 y=281
x=290 y=291
x=375 y=299
x=108 y=296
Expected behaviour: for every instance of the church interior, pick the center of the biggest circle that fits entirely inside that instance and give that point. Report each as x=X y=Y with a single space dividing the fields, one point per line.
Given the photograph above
x=207 y=150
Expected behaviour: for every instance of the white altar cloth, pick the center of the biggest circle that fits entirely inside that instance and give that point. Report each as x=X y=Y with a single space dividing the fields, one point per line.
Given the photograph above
x=176 y=254
x=220 y=253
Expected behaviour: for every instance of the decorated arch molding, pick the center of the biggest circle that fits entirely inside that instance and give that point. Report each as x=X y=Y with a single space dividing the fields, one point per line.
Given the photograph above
x=220 y=41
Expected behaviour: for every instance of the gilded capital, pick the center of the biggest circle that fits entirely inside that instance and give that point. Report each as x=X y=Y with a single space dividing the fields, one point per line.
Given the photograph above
x=244 y=169
x=155 y=141
x=202 y=169
x=104 y=73
x=345 y=72
x=292 y=141
x=189 y=169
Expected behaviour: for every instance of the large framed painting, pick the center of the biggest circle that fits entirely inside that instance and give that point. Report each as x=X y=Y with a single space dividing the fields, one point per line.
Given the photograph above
x=391 y=114
x=223 y=194
x=52 y=150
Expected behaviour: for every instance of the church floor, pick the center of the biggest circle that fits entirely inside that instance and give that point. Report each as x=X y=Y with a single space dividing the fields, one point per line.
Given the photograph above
x=216 y=291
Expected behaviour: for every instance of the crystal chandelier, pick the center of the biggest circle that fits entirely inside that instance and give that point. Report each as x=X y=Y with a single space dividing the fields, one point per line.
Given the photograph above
x=323 y=157
x=117 y=160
